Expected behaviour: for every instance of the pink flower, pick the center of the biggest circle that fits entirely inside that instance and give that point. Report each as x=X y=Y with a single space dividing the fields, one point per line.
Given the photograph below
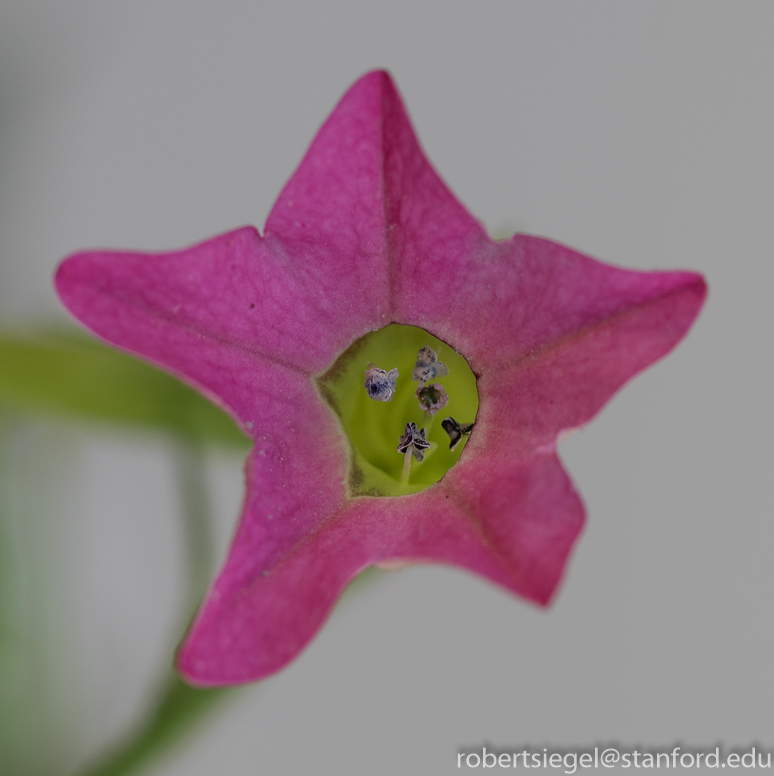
x=366 y=234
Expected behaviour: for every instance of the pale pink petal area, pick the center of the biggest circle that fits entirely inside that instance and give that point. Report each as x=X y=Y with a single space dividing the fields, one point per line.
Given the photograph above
x=295 y=484
x=329 y=218
x=229 y=291
x=501 y=305
x=563 y=385
x=297 y=470
x=513 y=524
x=528 y=513
x=365 y=205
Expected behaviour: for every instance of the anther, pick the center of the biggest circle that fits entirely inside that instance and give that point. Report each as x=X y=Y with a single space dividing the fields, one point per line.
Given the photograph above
x=432 y=397
x=414 y=440
x=380 y=384
x=428 y=367
x=456 y=430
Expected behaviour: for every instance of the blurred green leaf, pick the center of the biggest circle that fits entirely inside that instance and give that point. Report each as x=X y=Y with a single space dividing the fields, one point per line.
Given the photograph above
x=64 y=374
x=36 y=702
x=69 y=375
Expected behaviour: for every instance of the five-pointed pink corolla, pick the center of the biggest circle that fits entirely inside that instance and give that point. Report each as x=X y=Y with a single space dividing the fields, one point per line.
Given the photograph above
x=366 y=234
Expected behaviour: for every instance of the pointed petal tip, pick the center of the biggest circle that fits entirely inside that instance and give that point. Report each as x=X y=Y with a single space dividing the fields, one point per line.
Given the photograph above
x=379 y=82
x=687 y=279
x=545 y=593
x=692 y=289
x=213 y=656
x=69 y=276
x=379 y=77
x=193 y=672
x=206 y=677
x=192 y=668
x=64 y=271
x=698 y=284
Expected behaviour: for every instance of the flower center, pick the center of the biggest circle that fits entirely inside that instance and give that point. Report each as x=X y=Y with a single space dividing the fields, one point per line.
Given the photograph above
x=386 y=389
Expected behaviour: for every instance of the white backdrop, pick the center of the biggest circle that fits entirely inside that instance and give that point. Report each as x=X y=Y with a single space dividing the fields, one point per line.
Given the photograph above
x=638 y=132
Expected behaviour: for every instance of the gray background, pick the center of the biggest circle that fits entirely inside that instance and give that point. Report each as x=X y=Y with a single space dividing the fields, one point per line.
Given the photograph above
x=640 y=132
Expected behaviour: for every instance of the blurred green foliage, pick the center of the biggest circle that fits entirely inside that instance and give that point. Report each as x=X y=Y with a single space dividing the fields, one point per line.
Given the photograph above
x=62 y=374
x=66 y=374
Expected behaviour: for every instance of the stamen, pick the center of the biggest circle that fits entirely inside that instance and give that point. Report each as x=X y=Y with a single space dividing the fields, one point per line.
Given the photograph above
x=406 y=473
x=379 y=383
x=456 y=430
x=412 y=442
x=432 y=398
x=428 y=367
x=415 y=440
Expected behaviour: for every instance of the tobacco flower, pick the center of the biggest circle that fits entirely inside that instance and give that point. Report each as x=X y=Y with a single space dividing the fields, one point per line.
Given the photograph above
x=366 y=234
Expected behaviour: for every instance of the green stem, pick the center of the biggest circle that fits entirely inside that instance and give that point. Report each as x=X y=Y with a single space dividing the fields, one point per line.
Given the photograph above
x=177 y=709
x=178 y=706
x=191 y=470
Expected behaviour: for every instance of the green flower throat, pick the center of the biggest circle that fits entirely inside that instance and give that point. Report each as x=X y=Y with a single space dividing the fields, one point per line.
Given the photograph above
x=382 y=383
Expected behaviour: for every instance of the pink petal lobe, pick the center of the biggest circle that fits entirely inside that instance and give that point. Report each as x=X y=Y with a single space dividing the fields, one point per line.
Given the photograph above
x=230 y=292
x=563 y=385
x=365 y=204
x=502 y=303
x=528 y=513
x=266 y=602
x=188 y=312
x=513 y=524
x=260 y=614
